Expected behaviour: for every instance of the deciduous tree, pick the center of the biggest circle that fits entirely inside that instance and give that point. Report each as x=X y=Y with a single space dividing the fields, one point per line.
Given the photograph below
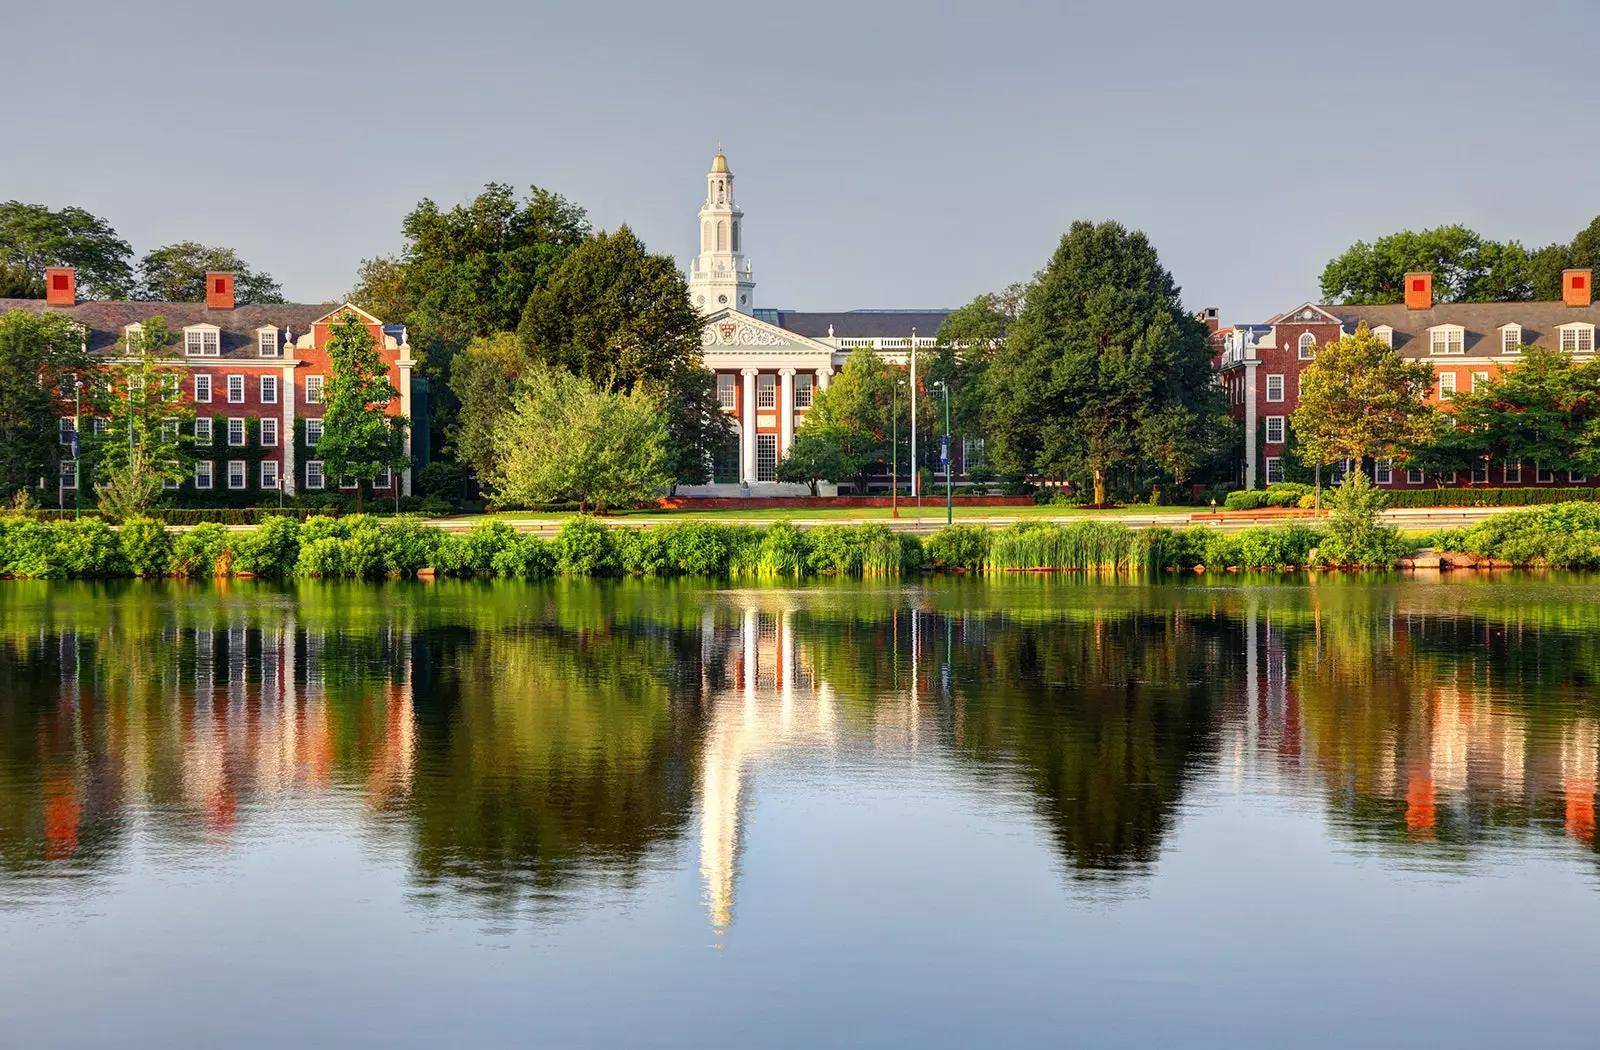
x=1361 y=399
x=40 y=357
x=1545 y=411
x=148 y=436
x=33 y=237
x=846 y=433
x=360 y=437
x=176 y=273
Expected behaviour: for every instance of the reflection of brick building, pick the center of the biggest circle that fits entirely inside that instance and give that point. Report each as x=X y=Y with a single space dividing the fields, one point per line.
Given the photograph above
x=1466 y=343
x=250 y=374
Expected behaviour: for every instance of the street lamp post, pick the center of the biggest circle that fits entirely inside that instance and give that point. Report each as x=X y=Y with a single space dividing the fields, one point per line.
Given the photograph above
x=916 y=482
x=894 y=452
x=944 y=456
x=77 y=449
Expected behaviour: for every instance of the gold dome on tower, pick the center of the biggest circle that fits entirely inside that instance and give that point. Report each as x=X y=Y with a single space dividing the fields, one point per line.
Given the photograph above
x=719 y=163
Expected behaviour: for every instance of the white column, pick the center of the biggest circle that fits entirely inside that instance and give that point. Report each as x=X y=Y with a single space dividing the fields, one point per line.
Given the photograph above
x=405 y=410
x=824 y=376
x=286 y=438
x=786 y=411
x=1250 y=424
x=747 y=425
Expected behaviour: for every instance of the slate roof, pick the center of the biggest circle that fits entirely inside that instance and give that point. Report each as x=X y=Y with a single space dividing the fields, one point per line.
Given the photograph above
x=106 y=320
x=1540 y=323
x=858 y=324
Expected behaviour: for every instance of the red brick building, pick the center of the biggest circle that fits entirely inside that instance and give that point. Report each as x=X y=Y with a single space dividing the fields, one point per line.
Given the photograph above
x=1466 y=343
x=253 y=376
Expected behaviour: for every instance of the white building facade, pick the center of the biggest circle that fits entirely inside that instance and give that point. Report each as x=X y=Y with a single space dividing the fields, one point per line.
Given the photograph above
x=771 y=363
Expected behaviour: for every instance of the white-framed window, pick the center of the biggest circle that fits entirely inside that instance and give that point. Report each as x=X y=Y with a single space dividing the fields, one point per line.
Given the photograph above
x=269 y=431
x=727 y=390
x=766 y=457
x=269 y=473
x=1308 y=346
x=1382 y=472
x=1480 y=473
x=1415 y=477
x=313 y=433
x=313 y=390
x=1577 y=477
x=202 y=340
x=973 y=451
x=236 y=432
x=349 y=483
x=98 y=426
x=171 y=388
x=202 y=389
x=132 y=338
x=1275 y=388
x=202 y=430
x=315 y=478
x=236 y=390
x=237 y=473
x=1577 y=338
x=1274 y=469
x=1384 y=334
x=803 y=391
x=1447 y=385
x=1480 y=380
x=1300 y=385
x=766 y=391
x=204 y=473
x=1511 y=339
x=1448 y=477
x=170 y=428
x=69 y=427
x=269 y=390
x=1447 y=339
x=1275 y=430
x=170 y=481
x=1512 y=473
x=69 y=474
x=1543 y=475
x=267 y=342
x=382 y=479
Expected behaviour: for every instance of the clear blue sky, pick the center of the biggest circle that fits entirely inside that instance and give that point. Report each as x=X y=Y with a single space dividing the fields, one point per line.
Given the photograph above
x=888 y=155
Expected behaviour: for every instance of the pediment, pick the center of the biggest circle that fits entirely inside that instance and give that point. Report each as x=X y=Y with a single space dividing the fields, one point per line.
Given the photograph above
x=729 y=331
x=1306 y=313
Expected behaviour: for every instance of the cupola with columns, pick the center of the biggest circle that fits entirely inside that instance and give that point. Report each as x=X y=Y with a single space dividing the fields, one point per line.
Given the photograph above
x=721 y=277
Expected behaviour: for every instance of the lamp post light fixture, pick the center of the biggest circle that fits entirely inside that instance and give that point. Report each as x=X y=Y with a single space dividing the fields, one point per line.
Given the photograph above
x=77 y=451
x=944 y=457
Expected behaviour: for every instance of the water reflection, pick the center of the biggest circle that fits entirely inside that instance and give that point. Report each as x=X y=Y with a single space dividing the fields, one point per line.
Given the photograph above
x=516 y=745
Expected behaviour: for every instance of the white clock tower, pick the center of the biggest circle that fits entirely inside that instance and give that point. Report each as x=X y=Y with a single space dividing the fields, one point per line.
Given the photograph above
x=721 y=277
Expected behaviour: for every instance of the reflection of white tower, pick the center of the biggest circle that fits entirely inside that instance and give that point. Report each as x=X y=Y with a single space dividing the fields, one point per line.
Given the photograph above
x=768 y=708
x=721 y=276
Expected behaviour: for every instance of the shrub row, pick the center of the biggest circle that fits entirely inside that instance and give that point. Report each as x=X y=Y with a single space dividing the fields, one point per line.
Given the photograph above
x=361 y=546
x=1564 y=536
x=1281 y=494
x=1517 y=497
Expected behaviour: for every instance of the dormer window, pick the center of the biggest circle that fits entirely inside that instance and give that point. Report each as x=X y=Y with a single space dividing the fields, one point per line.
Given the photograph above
x=1308 y=347
x=1447 y=339
x=1577 y=338
x=1511 y=339
x=202 y=340
x=267 y=341
x=133 y=338
x=1384 y=334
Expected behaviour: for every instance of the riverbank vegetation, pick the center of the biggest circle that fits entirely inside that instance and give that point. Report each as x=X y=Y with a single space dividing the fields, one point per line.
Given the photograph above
x=1565 y=536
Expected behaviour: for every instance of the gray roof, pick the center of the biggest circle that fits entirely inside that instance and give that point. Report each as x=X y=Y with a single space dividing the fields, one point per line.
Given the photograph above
x=858 y=324
x=1540 y=322
x=106 y=320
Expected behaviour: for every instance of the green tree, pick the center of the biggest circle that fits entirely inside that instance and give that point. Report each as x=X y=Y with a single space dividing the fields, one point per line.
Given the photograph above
x=32 y=238
x=140 y=396
x=1466 y=268
x=1181 y=440
x=964 y=346
x=483 y=377
x=41 y=356
x=1102 y=343
x=1545 y=411
x=848 y=427
x=176 y=273
x=621 y=318
x=564 y=439
x=1361 y=399
x=360 y=437
x=17 y=282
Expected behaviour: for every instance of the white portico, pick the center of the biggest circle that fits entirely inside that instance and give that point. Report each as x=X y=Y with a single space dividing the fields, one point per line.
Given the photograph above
x=770 y=364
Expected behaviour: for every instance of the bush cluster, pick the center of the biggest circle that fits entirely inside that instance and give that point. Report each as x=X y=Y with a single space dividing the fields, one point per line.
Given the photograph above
x=1530 y=496
x=1564 y=536
x=1280 y=494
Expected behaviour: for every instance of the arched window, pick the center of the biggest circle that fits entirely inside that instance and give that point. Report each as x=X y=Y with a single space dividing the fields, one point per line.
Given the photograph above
x=735 y=234
x=722 y=235
x=705 y=236
x=1308 y=346
x=719 y=191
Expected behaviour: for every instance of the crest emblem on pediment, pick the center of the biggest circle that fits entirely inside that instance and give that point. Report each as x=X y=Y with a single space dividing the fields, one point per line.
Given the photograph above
x=726 y=331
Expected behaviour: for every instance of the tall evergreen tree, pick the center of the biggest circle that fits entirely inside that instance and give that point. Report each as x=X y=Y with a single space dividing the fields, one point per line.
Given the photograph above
x=1101 y=347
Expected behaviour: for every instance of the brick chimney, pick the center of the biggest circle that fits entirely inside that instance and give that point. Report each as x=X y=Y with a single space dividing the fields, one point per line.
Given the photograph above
x=219 y=291
x=1576 y=287
x=1209 y=318
x=1419 y=291
x=61 y=286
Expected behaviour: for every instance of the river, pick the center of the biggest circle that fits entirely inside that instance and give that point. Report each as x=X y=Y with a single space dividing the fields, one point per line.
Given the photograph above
x=1239 y=811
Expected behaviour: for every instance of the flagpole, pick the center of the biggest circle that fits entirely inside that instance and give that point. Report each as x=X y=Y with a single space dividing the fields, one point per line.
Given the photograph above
x=916 y=481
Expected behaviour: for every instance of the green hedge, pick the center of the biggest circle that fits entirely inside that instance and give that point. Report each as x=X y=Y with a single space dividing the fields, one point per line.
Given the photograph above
x=1529 y=496
x=1564 y=536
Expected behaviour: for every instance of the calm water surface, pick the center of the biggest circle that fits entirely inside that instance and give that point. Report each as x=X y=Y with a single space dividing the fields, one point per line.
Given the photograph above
x=1021 y=813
